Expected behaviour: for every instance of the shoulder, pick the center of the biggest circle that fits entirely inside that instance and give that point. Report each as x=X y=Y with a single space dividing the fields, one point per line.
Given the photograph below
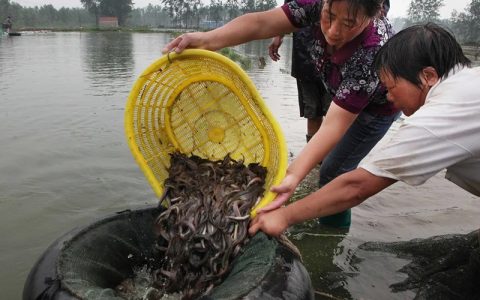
x=359 y=65
x=464 y=82
x=374 y=37
x=303 y=13
x=460 y=88
x=379 y=33
x=451 y=117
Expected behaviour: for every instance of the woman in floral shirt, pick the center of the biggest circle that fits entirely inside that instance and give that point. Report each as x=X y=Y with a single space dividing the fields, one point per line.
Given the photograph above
x=348 y=35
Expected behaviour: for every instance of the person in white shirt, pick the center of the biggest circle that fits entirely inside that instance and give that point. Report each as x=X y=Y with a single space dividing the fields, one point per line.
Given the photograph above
x=429 y=78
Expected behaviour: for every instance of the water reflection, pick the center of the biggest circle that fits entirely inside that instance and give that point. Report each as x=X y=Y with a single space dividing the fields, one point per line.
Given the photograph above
x=278 y=89
x=320 y=246
x=108 y=61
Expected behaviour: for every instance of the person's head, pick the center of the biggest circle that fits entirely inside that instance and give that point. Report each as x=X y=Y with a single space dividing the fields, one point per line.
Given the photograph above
x=414 y=60
x=343 y=20
x=385 y=8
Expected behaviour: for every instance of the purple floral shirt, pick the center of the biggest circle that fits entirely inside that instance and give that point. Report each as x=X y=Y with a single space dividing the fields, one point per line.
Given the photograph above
x=348 y=73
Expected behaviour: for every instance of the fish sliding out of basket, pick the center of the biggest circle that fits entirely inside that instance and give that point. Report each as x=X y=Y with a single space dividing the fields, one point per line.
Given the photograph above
x=200 y=103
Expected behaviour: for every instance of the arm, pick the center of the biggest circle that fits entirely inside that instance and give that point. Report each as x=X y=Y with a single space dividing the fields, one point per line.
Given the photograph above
x=336 y=123
x=345 y=191
x=252 y=26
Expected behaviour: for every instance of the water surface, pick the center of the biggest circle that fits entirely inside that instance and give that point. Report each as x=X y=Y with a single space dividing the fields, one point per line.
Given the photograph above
x=64 y=161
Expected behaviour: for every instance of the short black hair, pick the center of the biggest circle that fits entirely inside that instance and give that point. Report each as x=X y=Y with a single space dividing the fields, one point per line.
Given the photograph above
x=419 y=46
x=370 y=7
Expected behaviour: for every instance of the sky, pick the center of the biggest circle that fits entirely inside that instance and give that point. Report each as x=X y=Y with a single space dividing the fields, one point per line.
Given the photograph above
x=398 y=7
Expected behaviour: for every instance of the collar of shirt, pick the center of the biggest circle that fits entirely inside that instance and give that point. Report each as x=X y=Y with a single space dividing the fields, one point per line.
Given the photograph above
x=340 y=56
x=456 y=69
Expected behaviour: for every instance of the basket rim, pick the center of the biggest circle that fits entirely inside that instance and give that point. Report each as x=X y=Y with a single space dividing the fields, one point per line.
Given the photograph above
x=192 y=54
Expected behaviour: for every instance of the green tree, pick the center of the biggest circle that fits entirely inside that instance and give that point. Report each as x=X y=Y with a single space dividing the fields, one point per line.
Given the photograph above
x=466 y=25
x=248 y=6
x=174 y=9
x=193 y=12
x=4 y=9
x=216 y=11
x=233 y=8
x=421 y=11
x=474 y=10
x=118 y=8
x=48 y=15
x=150 y=16
x=93 y=6
x=263 y=5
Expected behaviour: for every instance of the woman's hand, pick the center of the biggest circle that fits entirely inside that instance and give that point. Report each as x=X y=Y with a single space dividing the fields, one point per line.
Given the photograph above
x=273 y=48
x=198 y=40
x=272 y=223
x=284 y=190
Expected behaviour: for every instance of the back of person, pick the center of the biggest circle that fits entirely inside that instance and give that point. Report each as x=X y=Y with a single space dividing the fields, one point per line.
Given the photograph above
x=451 y=112
x=302 y=65
x=438 y=92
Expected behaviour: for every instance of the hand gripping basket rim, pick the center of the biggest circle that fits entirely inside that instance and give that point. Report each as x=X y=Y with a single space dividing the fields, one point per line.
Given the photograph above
x=138 y=87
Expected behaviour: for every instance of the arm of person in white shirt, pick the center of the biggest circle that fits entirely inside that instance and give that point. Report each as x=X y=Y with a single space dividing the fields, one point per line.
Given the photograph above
x=345 y=191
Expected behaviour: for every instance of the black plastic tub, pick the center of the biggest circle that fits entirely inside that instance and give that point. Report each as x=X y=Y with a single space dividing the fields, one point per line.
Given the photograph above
x=86 y=261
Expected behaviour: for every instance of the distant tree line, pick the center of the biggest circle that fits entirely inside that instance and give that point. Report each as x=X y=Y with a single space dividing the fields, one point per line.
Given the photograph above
x=465 y=25
x=168 y=13
x=115 y=8
x=194 y=14
x=45 y=16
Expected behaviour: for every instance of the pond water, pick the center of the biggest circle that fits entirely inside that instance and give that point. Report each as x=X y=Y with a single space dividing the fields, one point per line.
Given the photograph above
x=64 y=161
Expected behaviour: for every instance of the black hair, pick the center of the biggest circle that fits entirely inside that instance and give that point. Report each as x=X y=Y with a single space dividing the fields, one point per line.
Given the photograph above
x=370 y=7
x=411 y=50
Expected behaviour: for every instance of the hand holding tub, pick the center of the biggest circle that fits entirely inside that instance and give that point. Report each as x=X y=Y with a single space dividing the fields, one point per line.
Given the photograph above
x=284 y=191
x=271 y=219
x=273 y=223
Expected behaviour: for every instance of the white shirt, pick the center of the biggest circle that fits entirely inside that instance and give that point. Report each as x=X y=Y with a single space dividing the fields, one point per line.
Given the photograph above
x=443 y=133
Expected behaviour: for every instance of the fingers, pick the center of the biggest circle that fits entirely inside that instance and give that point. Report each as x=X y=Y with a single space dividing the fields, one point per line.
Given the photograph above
x=273 y=52
x=178 y=44
x=279 y=201
x=183 y=44
x=275 y=56
x=270 y=223
x=282 y=188
x=254 y=226
x=172 y=45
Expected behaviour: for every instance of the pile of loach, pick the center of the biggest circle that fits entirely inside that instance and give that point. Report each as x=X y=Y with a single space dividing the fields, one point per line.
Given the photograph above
x=206 y=221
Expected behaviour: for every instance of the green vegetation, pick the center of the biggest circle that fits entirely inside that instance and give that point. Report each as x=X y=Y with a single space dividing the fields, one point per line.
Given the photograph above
x=245 y=62
x=117 y=8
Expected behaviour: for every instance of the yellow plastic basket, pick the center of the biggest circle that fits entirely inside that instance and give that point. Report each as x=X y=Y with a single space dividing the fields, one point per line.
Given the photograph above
x=200 y=102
